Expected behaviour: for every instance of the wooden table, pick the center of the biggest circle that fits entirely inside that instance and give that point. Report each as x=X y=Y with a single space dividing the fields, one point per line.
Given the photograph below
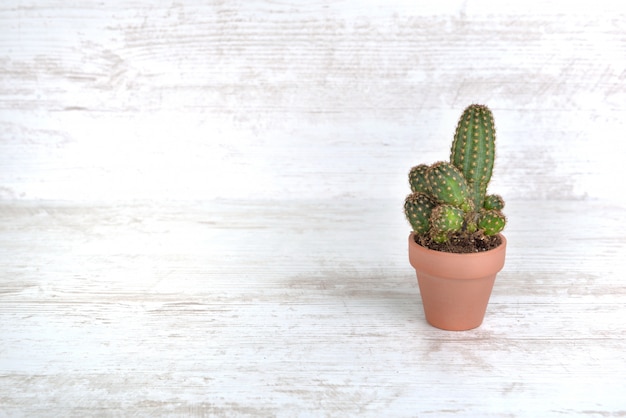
x=201 y=207
x=299 y=308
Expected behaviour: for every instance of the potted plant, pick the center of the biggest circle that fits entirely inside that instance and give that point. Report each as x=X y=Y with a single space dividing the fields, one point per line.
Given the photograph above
x=456 y=246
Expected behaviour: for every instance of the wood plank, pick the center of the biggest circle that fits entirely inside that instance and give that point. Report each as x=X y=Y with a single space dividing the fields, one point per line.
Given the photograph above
x=193 y=101
x=200 y=207
x=200 y=309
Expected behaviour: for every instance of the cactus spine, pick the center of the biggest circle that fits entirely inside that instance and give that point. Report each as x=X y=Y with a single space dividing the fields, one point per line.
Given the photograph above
x=451 y=198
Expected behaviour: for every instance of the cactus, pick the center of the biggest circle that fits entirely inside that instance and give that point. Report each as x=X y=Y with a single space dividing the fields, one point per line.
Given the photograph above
x=473 y=149
x=417 y=208
x=450 y=198
x=447 y=185
x=417 y=178
x=445 y=219
x=493 y=201
x=491 y=222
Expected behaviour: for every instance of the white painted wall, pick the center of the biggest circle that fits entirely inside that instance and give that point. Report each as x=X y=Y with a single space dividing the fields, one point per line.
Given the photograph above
x=299 y=100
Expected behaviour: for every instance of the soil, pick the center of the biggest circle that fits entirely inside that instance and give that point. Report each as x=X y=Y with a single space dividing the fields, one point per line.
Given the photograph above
x=462 y=243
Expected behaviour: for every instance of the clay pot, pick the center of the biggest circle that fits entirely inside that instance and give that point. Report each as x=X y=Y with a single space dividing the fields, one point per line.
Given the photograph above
x=455 y=288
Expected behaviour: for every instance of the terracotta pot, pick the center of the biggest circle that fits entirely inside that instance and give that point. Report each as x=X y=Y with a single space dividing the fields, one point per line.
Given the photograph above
x=455 y=288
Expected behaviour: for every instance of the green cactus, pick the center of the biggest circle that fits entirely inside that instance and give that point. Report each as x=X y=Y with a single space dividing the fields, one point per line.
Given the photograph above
x=417 y=208
x=447 y=185
x=491 y=222
x=444 y=220
x=417 y=178
x=493 y=201
x=450 y=198
x=473 y=149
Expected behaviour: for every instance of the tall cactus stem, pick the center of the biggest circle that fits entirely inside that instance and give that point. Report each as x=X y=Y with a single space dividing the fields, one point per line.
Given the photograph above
x=473 y=149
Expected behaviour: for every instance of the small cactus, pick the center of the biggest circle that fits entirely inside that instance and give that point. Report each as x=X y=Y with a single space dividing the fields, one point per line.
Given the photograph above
x=493 y=201
x=491 y=222
x=444 y=220
x=417 y=178
x=451 y=197
x=417 y=208
x=447 y=185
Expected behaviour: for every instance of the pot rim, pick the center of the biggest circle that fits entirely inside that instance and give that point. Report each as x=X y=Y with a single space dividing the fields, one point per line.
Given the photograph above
x=454 y=265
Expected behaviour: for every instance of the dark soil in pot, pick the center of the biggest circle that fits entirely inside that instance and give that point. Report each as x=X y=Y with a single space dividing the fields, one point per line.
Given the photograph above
x=461 y=243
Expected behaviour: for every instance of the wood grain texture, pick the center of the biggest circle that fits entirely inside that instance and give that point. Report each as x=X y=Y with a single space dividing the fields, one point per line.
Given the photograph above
x=271 y=100
x=200 y=207
x=204 y=310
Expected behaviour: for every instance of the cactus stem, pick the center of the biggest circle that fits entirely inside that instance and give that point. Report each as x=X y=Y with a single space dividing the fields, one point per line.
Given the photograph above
x=449 y=204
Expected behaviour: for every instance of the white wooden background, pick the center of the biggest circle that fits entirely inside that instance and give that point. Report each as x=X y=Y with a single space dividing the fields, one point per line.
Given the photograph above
x=200 y=207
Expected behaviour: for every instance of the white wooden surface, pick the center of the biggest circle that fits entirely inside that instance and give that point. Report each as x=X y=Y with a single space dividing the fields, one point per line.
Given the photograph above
x=278 y=100
x=200 y=207
x=242 y=309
